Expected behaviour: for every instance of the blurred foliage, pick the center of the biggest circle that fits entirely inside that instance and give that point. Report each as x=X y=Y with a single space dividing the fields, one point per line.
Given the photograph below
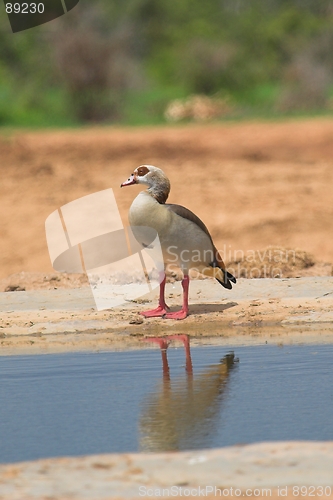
x=124 y=60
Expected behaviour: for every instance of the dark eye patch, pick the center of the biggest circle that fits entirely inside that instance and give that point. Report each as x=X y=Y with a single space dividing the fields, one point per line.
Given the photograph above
x=142 y=171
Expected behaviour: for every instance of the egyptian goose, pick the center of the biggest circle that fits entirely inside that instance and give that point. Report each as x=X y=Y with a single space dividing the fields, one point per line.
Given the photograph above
x=185 y=240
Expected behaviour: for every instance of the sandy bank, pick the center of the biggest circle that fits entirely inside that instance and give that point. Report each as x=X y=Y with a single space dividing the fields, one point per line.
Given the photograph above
x=258 y=310
x=272 y=470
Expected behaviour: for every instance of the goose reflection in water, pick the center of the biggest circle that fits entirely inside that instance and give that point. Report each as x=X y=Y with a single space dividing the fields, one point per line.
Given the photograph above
x=185 y=413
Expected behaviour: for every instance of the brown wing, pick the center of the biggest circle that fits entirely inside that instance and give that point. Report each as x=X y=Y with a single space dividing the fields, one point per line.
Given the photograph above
x=218 y=262
x=187 y=214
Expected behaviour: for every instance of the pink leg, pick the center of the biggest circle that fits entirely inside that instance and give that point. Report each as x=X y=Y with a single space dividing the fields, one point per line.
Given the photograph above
x=162 y=306
x=183 y=313
x=186 y=341
x=164 y=344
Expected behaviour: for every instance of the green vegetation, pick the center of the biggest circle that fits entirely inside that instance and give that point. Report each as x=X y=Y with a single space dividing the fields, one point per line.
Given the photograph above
x=123 y=61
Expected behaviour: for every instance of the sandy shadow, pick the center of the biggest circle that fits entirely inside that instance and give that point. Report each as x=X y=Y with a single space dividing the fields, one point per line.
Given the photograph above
x=207 y=308
x=210 y=308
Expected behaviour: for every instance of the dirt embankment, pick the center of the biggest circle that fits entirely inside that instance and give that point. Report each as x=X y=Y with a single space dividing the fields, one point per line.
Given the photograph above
x=254 y=184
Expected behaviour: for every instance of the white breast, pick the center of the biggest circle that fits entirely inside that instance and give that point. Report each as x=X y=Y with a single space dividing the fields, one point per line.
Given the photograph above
x=184 y=244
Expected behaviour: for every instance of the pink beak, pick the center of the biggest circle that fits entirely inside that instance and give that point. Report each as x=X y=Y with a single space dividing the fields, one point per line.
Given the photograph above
x=130 y=180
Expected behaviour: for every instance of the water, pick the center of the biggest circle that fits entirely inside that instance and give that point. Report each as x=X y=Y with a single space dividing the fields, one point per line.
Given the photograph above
x=84 y=403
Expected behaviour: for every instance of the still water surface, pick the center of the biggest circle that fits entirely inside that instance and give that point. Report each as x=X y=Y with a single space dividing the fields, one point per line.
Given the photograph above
x=84 y=403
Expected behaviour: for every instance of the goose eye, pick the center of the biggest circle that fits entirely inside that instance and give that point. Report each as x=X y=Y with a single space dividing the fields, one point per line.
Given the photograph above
x=142 y=171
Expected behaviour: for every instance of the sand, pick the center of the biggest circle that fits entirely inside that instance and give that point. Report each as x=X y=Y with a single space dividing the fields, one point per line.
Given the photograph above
x=255 y=311
x=265 y=470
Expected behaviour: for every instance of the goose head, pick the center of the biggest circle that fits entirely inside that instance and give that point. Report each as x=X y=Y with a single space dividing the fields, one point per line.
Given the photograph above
x=153 y=177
